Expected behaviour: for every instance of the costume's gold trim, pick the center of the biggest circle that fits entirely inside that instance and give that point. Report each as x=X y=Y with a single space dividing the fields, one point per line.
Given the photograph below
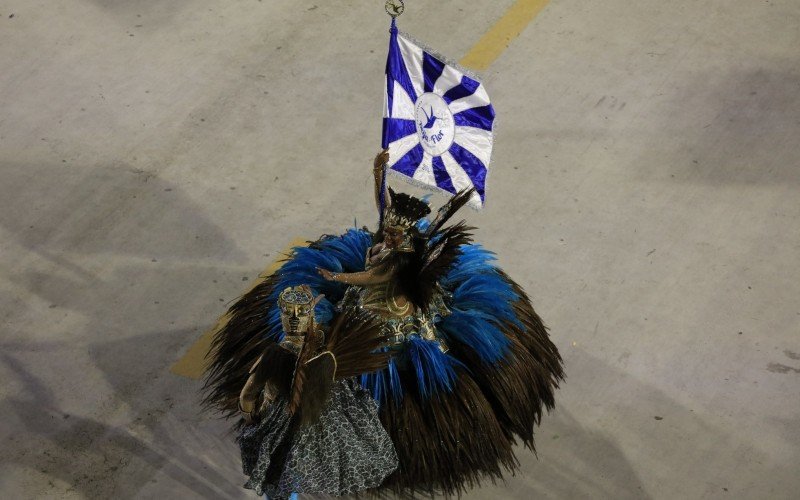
x=382 y=298
x=335 y=364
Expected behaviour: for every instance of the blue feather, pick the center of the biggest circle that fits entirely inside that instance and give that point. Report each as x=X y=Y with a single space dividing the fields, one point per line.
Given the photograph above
x=423 y=225
x=435 y=370
x=345 y=253
x=488 y=293
x=384 y=384
x=474 y=259
x=481 y=301
x=476 y=330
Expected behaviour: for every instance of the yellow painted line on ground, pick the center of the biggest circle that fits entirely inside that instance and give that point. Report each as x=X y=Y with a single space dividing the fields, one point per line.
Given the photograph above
x=194 y=363
x=504 y=31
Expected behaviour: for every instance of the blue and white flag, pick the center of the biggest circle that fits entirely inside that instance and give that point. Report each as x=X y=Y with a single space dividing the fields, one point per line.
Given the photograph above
x=437 y=121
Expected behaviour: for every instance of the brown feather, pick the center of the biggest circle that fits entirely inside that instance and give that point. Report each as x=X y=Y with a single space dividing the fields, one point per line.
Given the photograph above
x=238 y=342
x=355 y=339
x=309 y=350
x=437 y=260
x=449 y=209
x=448 y=444
x=319 y=382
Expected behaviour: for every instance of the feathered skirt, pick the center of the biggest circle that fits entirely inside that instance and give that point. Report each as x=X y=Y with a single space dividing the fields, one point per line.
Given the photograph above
x=453 y=416
x=346 y=451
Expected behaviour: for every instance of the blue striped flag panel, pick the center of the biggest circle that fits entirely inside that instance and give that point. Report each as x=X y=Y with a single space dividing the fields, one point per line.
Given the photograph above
x=437 y=121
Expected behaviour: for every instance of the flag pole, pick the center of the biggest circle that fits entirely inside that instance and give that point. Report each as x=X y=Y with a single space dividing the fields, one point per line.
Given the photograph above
x=394 y=8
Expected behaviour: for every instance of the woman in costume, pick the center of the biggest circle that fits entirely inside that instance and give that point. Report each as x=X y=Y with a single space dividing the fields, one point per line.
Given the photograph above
x=473 y=367
x=307 y=426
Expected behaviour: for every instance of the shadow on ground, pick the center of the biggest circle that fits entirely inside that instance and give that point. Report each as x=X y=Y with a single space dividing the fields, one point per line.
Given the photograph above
x=132 y=423
x=117 y=209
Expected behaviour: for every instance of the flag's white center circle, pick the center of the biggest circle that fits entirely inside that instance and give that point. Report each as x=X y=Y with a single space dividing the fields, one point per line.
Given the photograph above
x=435 y=126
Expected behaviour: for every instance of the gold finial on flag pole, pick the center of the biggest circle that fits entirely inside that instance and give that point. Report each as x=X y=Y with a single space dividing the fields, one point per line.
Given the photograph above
x=394 y=7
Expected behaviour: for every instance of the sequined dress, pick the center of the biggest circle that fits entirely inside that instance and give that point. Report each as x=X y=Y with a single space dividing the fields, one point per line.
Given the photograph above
x=346 y=451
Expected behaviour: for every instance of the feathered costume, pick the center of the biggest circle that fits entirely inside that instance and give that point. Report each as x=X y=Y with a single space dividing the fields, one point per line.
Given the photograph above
x=472 y=365
x=313 y=428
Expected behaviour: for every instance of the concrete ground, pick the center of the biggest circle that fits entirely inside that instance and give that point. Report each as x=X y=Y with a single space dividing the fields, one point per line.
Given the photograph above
x=156 y=156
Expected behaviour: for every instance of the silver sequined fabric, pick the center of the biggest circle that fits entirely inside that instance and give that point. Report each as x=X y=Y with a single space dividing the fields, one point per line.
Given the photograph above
x=346 y=451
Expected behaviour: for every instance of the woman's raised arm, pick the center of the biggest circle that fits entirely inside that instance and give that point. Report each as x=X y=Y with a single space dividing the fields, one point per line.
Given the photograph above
x=378 y=169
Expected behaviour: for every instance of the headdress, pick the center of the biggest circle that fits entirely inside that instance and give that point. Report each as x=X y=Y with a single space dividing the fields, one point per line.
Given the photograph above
x=402 y=214
x=296 y=295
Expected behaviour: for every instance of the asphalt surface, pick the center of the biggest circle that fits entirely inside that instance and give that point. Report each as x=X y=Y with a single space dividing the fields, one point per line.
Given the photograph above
x=645 y=190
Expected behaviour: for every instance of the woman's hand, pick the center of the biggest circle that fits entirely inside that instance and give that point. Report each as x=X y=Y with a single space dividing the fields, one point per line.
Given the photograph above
x=325 y=274
x=381 y=159
x=247 y=397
